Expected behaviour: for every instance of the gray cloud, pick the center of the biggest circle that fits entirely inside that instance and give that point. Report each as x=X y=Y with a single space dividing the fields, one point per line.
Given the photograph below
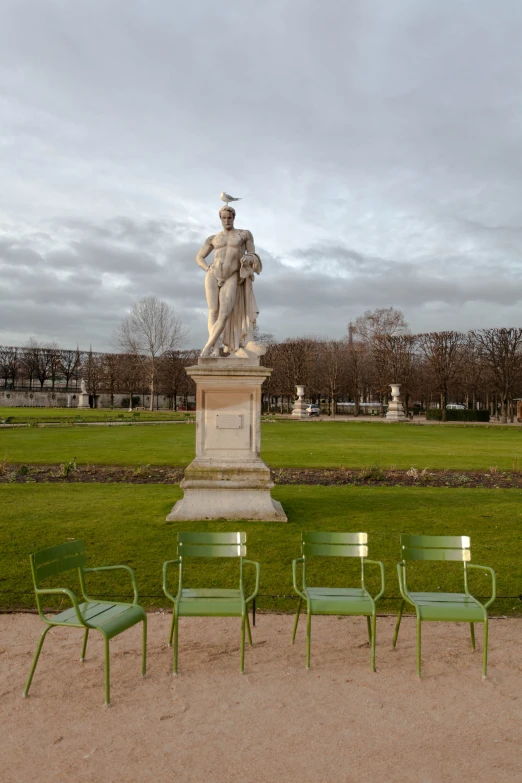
x=377 y=147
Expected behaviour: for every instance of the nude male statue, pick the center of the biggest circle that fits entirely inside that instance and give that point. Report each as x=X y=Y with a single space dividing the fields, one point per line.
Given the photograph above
x=232 y=309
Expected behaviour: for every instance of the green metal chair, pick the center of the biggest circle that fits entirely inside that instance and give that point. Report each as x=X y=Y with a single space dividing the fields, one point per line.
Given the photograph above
x=213 y=602
x=446 y=607
x=108 y=617
x=336 y=600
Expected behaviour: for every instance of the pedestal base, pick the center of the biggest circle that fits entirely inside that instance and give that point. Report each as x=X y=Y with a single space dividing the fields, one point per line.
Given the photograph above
x=395 y=412
x=228 y=479
x=83 y=401
x=299 y=410
x=249 y=505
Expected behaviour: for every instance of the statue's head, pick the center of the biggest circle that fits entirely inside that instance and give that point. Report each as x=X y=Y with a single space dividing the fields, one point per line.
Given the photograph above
x=227 y=215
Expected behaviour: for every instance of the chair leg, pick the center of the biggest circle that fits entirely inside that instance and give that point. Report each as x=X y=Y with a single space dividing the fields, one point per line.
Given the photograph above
x=242 y=653
x=368 y=620
x=172 y=627
x=472 y=631
x=372 y=643
x=398 y=624
x=175 y=660
x=249 y=632
x=485 y=651
x=84 y=647
x=297 y=619
x=144 y=649
x=33 y=667
x=308 y=638
x=418 y=646
x=107 y=672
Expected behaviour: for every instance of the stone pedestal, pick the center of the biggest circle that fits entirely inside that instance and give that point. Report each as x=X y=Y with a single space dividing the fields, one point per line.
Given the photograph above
x=228 y=479
x=299 y=409
x=395 y=409
x=83 y=401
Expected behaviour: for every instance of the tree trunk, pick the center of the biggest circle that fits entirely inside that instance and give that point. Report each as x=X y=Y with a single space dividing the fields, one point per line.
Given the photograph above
x=443 y=406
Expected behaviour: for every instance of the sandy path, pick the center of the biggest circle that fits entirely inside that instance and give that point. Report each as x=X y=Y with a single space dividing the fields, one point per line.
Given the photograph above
x=278 y=722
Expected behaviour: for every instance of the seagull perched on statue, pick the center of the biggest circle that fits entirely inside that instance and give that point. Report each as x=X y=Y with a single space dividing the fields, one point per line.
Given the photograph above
x=227 y=199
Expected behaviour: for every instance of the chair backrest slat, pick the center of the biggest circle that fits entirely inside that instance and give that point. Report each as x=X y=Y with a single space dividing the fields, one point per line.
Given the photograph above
x=211 y=550
x=335 y=550
x=435 y=542
x=455 y=548
x=211 y=538
x=56 y=552
x=462 y=555
x=320 y=537
x=58 y=559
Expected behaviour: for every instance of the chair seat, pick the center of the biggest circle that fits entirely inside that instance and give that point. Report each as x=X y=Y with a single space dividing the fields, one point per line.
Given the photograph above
x=212 y=602
x=106 y=616
x=339 y=600
x=448 y=607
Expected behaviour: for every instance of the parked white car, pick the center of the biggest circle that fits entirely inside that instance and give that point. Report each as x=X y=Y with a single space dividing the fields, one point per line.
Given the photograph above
x=455 y=406
x=313 y=410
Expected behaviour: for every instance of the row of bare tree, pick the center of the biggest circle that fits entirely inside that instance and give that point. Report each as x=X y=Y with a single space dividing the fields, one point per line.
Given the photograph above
x=35 y=366
x=481 y=367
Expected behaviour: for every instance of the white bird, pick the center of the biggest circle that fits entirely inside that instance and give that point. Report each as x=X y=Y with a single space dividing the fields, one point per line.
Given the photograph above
x=226 y=198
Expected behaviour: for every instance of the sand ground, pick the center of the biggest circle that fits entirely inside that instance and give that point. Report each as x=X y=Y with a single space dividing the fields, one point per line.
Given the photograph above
x=338 y=722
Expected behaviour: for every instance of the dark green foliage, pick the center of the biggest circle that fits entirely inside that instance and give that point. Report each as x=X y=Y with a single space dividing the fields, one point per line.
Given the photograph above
x=435 y=414
x=135 y=402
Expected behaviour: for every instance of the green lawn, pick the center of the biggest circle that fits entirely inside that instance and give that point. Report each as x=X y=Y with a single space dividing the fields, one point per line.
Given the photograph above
x=284 y=444
x=126 y=524
x=71 y=415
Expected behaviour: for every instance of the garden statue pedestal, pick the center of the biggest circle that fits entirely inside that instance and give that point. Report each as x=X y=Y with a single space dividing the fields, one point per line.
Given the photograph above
x=299 y=409
x=228 y=479
x=83 y=396
x=395 y=409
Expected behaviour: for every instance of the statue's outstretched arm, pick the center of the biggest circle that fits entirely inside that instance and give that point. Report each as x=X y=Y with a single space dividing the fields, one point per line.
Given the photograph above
x=205 y=251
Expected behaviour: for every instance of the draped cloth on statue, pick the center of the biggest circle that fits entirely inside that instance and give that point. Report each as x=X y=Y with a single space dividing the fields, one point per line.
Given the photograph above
x=239 y=328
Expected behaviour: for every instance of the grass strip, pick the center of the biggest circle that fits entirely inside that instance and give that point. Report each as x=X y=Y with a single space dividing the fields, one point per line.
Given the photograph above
x=284 y=444
x=126 y=524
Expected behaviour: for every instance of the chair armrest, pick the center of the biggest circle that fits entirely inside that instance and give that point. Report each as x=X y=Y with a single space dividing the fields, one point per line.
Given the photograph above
x=383 y=583
x=493 y=582
x=62 y=591
x=402 y=587
x=258 y=573
x=165 y=567
x=115 y=568
x=294 y=575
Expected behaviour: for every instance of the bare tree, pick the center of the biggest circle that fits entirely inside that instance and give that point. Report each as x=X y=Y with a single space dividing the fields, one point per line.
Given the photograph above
x=502 y=352
x=384 y=320
x=70 y=361
x=9 y=364
x=148 y=331
x=473 y=370
x=395 y=354
x=332 y=359
x=442 y=351
x=357 y=365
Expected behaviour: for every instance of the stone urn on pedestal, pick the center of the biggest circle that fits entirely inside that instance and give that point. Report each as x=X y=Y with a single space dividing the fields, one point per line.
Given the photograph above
x=299 y=409
x=395 y=409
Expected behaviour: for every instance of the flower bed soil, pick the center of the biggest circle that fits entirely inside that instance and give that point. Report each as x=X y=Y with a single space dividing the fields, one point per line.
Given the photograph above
x=150 y=474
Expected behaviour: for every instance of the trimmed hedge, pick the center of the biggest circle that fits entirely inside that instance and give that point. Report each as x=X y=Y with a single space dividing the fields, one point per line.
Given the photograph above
x=435 y=414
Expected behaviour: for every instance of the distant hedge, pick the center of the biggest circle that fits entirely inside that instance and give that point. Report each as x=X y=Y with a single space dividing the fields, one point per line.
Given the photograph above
x=435 y=414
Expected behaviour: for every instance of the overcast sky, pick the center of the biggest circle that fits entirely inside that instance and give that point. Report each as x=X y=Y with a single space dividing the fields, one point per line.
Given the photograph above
x=377 y=145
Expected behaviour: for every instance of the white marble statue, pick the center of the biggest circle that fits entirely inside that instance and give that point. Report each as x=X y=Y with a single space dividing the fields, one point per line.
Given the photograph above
x=232 y=308
x=83 y=387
